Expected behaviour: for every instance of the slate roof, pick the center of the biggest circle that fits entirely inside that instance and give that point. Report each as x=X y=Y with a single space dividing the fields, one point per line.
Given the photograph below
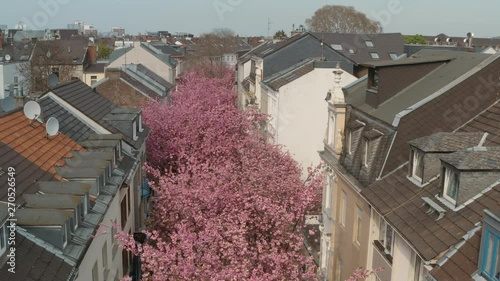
x=459 y=64
x=481 y=158
x=95 y=106
x=37 y=263
x=383 y=44
x=32 y=143
x=399 y=201
x=69 y=124
x=166 y=58
x=290 y=74
x=71 y=51
x=166 y=49
x=17 y=52
x=155 y=77
x=96 y=68
x=447 y=142
x=117 y=53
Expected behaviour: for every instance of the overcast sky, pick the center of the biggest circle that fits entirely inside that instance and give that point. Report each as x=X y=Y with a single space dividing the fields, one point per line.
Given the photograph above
x=250 y=17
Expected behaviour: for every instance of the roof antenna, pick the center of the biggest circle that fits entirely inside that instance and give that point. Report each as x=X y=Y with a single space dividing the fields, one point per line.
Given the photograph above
x=32 y=111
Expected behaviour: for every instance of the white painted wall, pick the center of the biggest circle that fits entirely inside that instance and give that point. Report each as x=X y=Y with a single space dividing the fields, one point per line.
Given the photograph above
x=7 y=74
x=139 y=55
x=402 y=260
x=302 y=114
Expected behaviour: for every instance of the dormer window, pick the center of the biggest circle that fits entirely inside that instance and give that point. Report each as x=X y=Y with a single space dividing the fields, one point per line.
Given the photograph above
x=134 y=130
x=366 y=146
x=417 y=164
x=3 y=239
x=349 y=141
x=140 y=123
x=450 y=185
x=489 y=256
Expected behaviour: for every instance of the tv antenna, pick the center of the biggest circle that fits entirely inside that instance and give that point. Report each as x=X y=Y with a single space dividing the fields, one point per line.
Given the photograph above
x=52 y=127
x=8 y=104
x=268 y=26
x=32 y=110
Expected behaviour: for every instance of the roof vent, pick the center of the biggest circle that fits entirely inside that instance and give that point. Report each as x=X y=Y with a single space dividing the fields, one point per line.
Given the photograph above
x=433 y=207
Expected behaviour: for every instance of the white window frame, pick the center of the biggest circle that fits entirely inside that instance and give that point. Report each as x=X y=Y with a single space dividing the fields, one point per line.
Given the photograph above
x=134 y=130
x=384 y=230
x=140 y=123
x=359 y=221
x=349 y=141
x=393 y=56
x=328 y=193
x=65 y=234
x=417 y=161
x=331 y=131
x=344 y=209
x=374 y=55
x=369 y=43
x=324 y=253
x=446 y=184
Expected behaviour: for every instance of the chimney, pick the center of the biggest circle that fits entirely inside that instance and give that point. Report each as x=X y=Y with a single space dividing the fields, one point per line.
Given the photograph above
x=92 y=53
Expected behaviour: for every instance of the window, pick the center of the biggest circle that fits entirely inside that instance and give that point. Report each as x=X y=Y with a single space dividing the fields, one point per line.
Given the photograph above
x=450 y=185
x=93 y=79
x=417 y=164
x=337 y=47
x=393 y=56
x=369 y=43
x=358 y=225
x=331 y=131
x=3 y=239
x=95 y=273
x=134 y=131
x=64 y=235
x=351 y=51
x=76 y=218
x=324 y=253
x=386 y=237
x=105 y=255
x=339 y=269
x=349 y=141
x=374 y=55
x=366 y=146
x=374 y=80
x=16 y=80
x=490 y=264
x=140 y=123
x=417 y=268
x=344 y=208
x=123 y=209
x=328 y=193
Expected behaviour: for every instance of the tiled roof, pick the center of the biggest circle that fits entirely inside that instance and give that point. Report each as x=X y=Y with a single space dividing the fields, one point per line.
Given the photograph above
x=288 y=75
x=481 y=158
x=37 y=263
x=69 y=124
x=447 y=142
x=383 y=45
x=31 y=142
x=95 y=106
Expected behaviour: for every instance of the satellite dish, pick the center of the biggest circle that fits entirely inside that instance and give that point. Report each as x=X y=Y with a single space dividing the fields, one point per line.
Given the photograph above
x=32 y=110
x=52 y=127
x=470 y=34
x=53 y=80
x=449 y=40
x=7 y=58
x=49 y=54
x=8 y=104
x=437 y=39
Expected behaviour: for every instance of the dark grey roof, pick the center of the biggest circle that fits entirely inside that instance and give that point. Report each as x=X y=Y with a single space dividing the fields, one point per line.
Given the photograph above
x=408 y=61
x=166 y=58
x=447 y=142
x=117 y=53
x=383 y=45
x=166 y=48
x=69 y=124
x=96 y=68
x=42 y=217
x=17 y=52
x=477 y=158
x=4 y=213
x=74 y=188
x=290 y=74
x=155 y=77
x=95 y=106
x=80 y=173
x=126 y=164
x=52 y=201
x=460 y=64
x=36 y=263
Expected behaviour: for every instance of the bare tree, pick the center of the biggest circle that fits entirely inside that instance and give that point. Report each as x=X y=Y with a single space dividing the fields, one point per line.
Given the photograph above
x=211 y=47
x=48 y=57
x=342 y=19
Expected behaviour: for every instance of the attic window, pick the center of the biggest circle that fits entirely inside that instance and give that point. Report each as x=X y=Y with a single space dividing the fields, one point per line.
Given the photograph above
x=366 y=147
x=416 y=164
x=393 y=56
x=140 y=123
x=369 y=43
x=374 y=55
x=450 y=185
x=351 y=51
x=489 y=257
x=337 y=47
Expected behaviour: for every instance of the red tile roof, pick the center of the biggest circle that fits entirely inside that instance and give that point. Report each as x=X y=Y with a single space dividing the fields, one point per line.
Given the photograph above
x=30 y=141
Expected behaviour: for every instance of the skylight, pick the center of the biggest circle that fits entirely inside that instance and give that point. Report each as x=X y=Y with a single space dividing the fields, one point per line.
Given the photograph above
x=369 y=43
x=337 y=47
x=393 y=56
x=351 y=51
x=374 y=55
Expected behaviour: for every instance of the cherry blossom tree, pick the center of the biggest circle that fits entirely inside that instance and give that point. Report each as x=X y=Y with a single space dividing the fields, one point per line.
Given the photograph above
x=228 y=205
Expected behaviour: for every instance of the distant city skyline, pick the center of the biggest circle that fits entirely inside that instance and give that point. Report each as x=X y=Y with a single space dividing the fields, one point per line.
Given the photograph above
x=251 y=18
